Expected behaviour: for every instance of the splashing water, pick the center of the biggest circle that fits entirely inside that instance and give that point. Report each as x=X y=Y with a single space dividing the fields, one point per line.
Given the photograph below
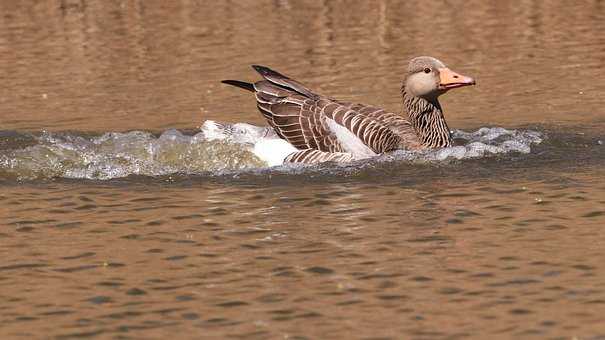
x=116 y=155
x=480 y=143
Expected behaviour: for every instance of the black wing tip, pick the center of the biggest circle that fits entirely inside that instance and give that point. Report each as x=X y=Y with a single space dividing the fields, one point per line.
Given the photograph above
x=261 y=69
x=241 y=84
x=267 y=72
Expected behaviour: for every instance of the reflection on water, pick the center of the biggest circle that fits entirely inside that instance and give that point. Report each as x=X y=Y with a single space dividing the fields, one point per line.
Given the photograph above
x=513 y=259
x=504 y=246
x=90 y=65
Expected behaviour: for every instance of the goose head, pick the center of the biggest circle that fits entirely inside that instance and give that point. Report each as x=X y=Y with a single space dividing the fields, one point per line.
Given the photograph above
x=429 y=78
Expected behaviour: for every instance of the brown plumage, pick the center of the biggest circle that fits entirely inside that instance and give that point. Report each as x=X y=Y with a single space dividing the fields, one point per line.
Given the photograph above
x=326 y=129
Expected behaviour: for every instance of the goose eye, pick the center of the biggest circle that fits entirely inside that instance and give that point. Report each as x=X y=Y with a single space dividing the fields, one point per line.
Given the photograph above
x=427 y=70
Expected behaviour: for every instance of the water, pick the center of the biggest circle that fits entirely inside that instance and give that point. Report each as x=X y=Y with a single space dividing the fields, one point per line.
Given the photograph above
x=121 y=220
x=116 y=155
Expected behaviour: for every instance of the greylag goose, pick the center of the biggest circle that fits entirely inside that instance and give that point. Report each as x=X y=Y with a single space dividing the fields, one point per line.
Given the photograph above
x=319 y=128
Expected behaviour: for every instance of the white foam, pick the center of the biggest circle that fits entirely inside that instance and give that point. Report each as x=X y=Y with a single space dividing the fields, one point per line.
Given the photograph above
x=480 y=143
x=273 y=151
x=238 y=133
x=215 y=150
x=262 y=141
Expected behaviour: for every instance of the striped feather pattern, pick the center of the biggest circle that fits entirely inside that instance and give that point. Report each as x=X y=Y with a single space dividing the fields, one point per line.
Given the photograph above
x=300 y=116
x=310 y=156
x=303 y=118
x=428 y=121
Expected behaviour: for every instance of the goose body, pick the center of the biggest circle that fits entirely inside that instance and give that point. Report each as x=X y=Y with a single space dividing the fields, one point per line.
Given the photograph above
x=311 y=128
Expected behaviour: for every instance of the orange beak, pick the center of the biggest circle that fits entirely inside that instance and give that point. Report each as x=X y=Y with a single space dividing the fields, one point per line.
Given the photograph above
x=449 y=79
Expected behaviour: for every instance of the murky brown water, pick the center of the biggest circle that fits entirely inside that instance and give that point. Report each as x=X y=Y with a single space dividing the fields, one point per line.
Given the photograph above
x=507 y=246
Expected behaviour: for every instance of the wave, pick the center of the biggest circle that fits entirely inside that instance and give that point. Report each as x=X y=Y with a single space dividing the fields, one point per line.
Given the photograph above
x=116 y=155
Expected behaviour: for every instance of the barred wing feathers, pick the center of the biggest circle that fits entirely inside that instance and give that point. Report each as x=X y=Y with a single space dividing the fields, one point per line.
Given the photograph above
x=312 y=122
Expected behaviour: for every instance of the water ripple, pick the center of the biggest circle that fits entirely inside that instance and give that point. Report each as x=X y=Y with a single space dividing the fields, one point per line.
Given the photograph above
x=117 y=155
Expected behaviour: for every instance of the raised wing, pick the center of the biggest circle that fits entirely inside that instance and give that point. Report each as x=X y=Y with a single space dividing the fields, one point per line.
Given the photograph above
x=309 y=121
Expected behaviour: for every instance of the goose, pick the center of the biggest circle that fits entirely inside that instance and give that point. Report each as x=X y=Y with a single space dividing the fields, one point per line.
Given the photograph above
x=306 y=127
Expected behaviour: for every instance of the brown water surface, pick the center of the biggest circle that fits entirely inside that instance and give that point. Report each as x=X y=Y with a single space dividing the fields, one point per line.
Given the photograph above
x=505 y=246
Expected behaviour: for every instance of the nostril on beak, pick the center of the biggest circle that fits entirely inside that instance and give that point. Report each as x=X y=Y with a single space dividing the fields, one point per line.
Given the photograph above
x=455 y=76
